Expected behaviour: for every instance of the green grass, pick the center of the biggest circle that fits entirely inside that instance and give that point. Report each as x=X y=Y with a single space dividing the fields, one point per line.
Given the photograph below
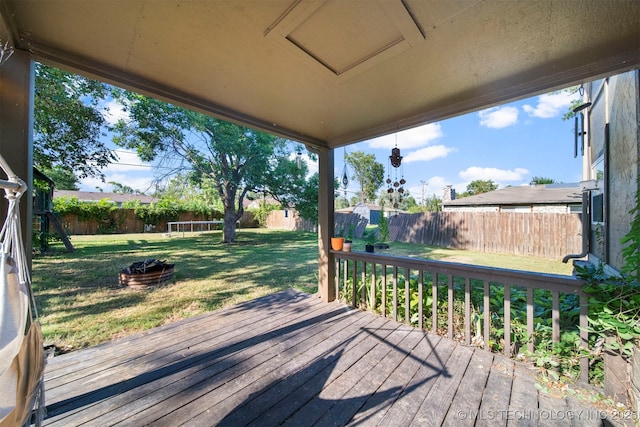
x=81 y=304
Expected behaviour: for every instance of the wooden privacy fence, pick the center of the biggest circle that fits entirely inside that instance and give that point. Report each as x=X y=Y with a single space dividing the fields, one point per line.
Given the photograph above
x=121 y=221
x=542 y=235
x=289 y=220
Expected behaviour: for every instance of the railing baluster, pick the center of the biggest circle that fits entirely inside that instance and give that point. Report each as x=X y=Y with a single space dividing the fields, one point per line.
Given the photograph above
x=420 y=299
x=337 y=265
x=467 y=311
x=363 y=292
x=450 y=307
x=434 y=302
x=354 y=282
x=507 y=320
x=407 y=296
x=584 y=337
x=530 y=319
x=374 y=303
x=384 y=290
x=345 y=276
x=555 y=317
x=487 y=314
x=395 y=292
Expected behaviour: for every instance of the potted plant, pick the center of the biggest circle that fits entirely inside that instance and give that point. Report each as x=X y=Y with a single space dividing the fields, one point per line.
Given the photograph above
x=337 y=242
x=348 y=240
x=370 y=241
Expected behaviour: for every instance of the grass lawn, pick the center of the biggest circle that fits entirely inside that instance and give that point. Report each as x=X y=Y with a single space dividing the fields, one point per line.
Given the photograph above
x=80 y=303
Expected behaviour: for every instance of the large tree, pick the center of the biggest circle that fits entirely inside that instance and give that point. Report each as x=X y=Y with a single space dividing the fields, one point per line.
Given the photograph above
x=69 y=122
x=63 y=178
x=368 y=172
x=235 y=158
x=538 y=180
x=479 y=186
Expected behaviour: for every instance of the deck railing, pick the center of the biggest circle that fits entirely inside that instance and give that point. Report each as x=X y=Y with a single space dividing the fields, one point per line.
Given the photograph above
x=497 y=309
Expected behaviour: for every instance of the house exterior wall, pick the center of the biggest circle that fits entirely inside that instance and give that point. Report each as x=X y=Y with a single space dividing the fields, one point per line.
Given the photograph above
x=554 y=209
x=563 y=209
x=470 y=209
x=614 y=156
x=623 y=158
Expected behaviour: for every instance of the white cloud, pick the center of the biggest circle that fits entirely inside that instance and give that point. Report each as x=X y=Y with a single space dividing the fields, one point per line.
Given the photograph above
x=428 y=153
x=498 y=117
x=114 y=112
x=475 y=173
x=411 y=138
x=551 y=105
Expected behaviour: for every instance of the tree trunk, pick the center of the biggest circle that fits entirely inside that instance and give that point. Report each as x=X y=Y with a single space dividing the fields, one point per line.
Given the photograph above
x=229 y=228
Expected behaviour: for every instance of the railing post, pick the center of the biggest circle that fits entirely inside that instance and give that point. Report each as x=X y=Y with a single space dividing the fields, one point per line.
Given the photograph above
x=326 y=264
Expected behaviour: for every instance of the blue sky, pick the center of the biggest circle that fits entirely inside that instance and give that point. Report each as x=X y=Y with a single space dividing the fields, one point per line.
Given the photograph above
x=508 y=144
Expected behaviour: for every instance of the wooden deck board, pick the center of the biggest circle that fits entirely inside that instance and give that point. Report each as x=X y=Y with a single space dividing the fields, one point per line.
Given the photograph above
x=289 y=359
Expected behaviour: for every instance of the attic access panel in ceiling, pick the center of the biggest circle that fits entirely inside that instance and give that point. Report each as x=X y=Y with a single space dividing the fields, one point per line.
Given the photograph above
x=342 y=37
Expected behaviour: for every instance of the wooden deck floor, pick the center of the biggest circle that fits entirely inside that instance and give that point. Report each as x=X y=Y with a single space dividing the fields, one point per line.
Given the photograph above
x=290 y=359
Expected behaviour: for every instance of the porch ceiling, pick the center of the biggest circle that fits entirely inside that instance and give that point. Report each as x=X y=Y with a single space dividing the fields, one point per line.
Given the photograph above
x=331 y=72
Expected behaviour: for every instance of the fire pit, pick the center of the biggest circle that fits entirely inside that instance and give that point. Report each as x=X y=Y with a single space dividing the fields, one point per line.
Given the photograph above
x=151 y=272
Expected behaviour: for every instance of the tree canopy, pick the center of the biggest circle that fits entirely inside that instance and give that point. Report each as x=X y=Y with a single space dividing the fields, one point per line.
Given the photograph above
x=479 y=186
x=69 y=123
x=234 y=158
x=542 y=180
x=368 y=172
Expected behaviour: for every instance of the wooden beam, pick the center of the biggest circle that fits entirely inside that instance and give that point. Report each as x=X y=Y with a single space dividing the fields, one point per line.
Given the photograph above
x=326 y=261
x=16 y=138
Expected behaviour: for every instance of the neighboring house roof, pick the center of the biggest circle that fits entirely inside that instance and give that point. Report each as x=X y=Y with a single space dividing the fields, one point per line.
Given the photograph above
x=545 y=194
x=96 y=196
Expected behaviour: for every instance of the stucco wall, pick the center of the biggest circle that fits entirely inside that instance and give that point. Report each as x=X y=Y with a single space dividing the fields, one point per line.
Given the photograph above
x=623 y=159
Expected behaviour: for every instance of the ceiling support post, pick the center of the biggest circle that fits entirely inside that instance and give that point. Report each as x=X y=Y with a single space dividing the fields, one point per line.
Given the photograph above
x=326 y=261
x=16 y=134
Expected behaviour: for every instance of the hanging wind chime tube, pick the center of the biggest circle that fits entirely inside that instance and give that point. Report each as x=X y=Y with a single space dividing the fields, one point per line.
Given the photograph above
x=345 y=175
x=395 y=187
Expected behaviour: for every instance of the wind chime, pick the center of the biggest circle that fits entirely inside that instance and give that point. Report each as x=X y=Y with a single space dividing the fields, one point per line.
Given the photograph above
x=395 y=189
x=345 y=176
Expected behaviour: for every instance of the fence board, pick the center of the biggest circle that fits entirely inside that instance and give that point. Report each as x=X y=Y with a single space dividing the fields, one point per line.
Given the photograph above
x=544 y=235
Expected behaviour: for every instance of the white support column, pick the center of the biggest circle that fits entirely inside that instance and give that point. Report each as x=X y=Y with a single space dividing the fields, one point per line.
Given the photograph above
x=16 y=133
x=326 y=263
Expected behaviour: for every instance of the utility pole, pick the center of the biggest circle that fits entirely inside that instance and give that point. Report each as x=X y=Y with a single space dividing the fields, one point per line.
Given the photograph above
x=423 y=185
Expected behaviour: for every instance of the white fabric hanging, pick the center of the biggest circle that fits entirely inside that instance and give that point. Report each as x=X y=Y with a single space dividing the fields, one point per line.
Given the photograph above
x=21 y=353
